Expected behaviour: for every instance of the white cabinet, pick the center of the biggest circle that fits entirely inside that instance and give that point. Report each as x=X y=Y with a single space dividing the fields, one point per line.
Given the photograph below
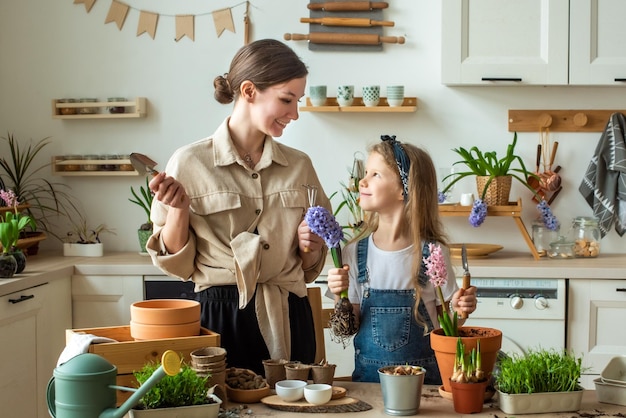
x=104 y=301
x=533 y=42
x=596 y=314
x=32 y=324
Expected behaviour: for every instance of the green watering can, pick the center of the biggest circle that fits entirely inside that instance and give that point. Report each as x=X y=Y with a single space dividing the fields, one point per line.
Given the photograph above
x=84 y=387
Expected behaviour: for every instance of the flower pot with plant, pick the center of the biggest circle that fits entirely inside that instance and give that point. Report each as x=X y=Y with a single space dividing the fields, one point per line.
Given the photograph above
x=468 y=380
x=184 y=394
x=46 y=200
x=85 y=241
x=143 y=199
x=542 y=380
x=11 y=225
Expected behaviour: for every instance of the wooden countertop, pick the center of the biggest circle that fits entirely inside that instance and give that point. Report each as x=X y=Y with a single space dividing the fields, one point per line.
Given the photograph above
x=433 y=405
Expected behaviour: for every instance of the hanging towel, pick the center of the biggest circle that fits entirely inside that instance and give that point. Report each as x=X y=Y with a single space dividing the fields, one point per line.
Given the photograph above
x=604 y=183
x=79 y=344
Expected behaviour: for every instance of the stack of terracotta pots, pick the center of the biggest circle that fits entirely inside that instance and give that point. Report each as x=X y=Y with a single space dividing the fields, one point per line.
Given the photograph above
x=210 y=362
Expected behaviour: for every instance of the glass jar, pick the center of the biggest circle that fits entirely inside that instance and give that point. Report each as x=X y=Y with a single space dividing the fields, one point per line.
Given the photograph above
x=87 y=110
x=125 y=165
x=110 y=163
x=67 y=110
x=91 y=164
x=585 y=233
x=73 y=162
x=117 y=109
x=542 y=237
x=562 y=248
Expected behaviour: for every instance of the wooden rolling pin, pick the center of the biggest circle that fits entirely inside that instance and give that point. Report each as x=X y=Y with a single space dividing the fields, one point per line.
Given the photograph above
x=348 y=6
x=344 y=38
x=346 y=21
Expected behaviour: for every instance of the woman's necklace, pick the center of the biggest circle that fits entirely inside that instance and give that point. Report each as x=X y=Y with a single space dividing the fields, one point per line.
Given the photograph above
x=250 y=157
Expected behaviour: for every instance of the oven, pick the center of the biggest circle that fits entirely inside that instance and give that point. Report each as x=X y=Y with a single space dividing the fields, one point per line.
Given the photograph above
x=531 y=313
x=165 y=287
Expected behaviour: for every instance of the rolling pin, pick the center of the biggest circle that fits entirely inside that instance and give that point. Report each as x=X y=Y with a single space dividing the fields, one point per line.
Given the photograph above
x=346 y=21
x=344 y=38
x=348 y=6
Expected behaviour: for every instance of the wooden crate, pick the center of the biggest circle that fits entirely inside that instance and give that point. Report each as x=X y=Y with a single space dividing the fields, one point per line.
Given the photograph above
x=129 y=355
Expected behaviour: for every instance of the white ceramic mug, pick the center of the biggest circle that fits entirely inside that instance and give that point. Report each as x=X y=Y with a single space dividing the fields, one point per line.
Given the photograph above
x=467 y=199
x=345 y=95
x=317 y=95
x=371 y=95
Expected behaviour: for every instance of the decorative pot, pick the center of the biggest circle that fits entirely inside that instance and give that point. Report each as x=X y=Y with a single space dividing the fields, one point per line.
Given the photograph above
x=468 y=398
x=20 y=258
x=83 y=250
x=445 y=349
x=143 y=236
x=8 y=266
x=275 y=371
x=498 y=192
x=543 y=402
x=323 y=373
x=297 y=371
x=401 y=392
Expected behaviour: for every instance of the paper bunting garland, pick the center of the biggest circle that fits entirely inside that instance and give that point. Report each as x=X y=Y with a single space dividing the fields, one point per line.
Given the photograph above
x=185 y=24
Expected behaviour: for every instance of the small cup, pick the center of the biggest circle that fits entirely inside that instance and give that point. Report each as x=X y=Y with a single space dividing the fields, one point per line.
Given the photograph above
x=371 y=95
x=395 y=95
x=345 y=95
x=317 y=95
x=467 y=199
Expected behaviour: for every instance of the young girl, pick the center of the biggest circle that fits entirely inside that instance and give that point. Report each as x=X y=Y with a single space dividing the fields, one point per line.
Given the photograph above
x=394 y=302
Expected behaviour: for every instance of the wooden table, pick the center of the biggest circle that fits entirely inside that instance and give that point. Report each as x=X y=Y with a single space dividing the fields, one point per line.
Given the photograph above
x=433 y=405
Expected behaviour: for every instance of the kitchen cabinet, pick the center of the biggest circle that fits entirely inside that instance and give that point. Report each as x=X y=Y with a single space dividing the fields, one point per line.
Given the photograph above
x=540 y=42
x=596 y=314
x=104 y=301
x=32 y=324
x=135 y=108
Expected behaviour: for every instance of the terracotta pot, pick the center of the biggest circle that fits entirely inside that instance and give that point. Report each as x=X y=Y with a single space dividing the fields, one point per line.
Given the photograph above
x=165 y=311
x=468 y=398
x=142 y=332
x=445 y=349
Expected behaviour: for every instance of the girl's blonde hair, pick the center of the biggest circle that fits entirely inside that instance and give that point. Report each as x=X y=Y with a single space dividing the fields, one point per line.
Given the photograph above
x=421 y=211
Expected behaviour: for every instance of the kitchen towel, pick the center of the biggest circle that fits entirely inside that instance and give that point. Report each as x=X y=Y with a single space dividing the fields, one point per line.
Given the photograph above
x=79 y=344
x=604 y=184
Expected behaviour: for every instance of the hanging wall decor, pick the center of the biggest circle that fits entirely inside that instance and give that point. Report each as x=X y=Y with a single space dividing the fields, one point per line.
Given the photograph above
x=184 y=23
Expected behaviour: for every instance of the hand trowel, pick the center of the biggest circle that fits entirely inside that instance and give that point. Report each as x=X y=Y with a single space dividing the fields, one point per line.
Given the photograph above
x=466 y=274
x=143 y=164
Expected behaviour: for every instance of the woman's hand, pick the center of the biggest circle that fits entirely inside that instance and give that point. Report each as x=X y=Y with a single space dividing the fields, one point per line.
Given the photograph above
x=464 y=300
x=338 y=279
x=308 y=241
x=169 y=191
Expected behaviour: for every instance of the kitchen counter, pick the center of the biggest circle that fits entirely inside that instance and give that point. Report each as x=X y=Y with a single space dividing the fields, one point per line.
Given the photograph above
x=41 y=267
x=433 y=405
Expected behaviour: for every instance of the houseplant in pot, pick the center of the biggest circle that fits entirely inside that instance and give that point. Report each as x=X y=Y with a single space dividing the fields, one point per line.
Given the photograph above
x=12 y=222
x=184 y=394
x=85 y=241
x=143 y=199
x=542 y=380
x=468 y=380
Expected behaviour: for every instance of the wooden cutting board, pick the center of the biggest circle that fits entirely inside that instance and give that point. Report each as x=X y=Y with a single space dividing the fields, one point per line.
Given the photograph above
x=345 y=404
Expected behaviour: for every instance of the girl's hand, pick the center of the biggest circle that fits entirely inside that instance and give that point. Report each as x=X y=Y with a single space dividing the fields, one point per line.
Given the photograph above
x=308 y=242
x=338 y=279
x=169 y=191
x=464 y=300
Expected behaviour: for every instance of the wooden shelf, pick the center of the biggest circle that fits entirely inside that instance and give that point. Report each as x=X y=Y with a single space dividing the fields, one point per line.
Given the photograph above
x=134 y=109
x=575 y=120
x=408 y=106
x=123 y=167
x=513 y=209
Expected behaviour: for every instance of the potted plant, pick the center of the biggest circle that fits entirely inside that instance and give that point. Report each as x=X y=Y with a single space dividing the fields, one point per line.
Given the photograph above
x=184 y=394
x=468 y=380
x=143 y=199
x=85 y=241
x=542 y=380
x=31 y=183
x=12 y=222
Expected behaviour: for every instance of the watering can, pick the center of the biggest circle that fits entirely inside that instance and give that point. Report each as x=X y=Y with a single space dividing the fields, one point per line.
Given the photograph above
x=84 y=387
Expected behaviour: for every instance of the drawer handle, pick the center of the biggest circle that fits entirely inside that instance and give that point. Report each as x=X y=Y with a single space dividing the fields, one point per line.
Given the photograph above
x=516 y=79
x=22 y=298
x=620 y=289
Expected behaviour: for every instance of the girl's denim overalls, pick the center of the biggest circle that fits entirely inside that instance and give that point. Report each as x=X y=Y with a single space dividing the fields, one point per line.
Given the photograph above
x=388 y=333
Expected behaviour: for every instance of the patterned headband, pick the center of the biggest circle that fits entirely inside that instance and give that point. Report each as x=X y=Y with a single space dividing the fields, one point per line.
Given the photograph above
x=402 y=161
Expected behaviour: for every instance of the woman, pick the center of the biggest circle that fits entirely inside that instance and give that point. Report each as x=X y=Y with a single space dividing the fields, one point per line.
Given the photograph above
x=394 y=302
x=228 y=214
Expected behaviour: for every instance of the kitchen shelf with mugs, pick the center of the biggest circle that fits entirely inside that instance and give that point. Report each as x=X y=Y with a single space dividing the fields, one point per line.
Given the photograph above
x=513 y=209
x=409 y=105
x=113 y=108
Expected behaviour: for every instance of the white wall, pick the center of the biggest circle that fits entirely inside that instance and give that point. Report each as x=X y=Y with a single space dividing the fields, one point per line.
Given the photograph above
x=56 y=49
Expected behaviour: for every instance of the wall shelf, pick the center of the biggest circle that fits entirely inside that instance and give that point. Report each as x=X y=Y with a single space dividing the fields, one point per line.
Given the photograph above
x=134 y=109
x=575 y=120
x=409 y=105
x=513 y=209
x=82 y=167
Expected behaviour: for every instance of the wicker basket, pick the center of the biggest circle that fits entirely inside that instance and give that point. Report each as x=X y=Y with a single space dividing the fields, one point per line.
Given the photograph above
x=498 y=191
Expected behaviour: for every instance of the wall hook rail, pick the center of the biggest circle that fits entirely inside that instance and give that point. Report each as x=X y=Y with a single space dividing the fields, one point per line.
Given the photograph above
x=574 y=120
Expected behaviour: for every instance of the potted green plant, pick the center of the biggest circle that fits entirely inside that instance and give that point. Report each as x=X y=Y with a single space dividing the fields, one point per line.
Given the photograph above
x=468 y=380
x=489 y=169
x=527 y=383
x=186 y=392
x=46 y=200
x=12 y=223
x=83 y=240
x=143 y=199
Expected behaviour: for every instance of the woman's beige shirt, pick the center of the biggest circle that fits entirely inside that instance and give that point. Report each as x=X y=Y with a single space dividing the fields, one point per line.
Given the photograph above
x=243 y=226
